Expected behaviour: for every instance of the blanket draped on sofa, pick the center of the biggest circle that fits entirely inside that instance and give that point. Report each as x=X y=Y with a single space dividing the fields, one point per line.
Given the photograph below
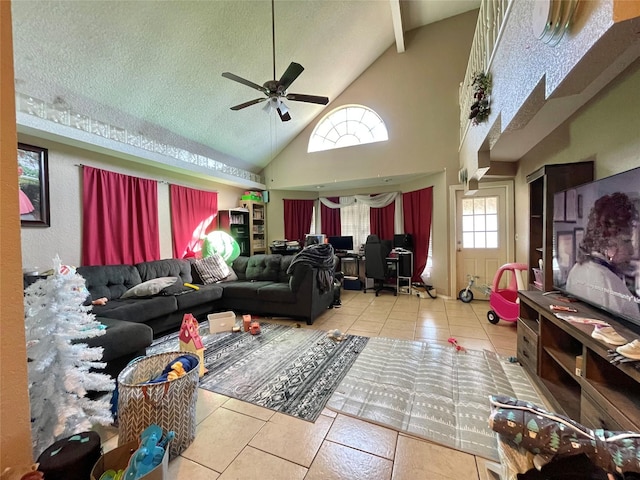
x=319 y=256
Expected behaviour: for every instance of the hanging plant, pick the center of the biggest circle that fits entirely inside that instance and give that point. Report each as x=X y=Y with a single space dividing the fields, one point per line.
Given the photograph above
x=480 y=109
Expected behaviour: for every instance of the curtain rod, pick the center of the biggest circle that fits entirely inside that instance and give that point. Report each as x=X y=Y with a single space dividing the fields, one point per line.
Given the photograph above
x=163 y=182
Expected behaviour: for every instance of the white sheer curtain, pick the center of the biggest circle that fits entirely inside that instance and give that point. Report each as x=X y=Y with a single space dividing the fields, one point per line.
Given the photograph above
x=354 y=221
x=376 y=201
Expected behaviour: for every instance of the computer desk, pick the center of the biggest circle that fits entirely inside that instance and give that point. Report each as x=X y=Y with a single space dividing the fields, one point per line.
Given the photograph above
x=401 y=268
x=347 y=257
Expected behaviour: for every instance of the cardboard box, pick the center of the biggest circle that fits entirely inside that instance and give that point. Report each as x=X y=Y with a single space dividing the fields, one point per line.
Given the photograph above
x=118 y=459
x=221 y=322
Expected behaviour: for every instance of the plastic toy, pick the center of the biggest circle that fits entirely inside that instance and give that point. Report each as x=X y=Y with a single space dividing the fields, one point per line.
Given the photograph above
x=454 y=342
x=254 y=328
x=466 y=295
x=150 y=453
x=504 y=302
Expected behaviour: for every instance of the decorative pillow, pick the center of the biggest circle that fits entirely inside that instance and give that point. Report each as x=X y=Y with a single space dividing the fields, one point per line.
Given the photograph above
x=212 y=269
x=232 y=276
x=150 y=287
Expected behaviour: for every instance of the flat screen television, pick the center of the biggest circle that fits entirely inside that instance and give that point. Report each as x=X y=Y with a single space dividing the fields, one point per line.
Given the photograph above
x=342 y=243
x=596 y=244
x=313 y=238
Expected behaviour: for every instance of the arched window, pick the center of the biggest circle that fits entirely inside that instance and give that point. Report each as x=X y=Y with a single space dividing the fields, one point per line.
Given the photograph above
x=346 y=126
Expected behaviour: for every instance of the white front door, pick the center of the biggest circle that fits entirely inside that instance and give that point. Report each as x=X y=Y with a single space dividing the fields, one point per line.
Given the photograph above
x=481 y=237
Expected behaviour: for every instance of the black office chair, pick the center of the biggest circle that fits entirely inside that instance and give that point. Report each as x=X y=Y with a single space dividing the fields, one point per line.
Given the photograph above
x=376 y=252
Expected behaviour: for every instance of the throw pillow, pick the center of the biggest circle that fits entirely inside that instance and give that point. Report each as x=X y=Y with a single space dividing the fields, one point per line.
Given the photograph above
x=150 y=287
x=212 y=269
x=232 y=276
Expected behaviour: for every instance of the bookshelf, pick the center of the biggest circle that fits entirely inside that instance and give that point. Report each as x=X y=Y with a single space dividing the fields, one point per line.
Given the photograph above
x=257 y=225
x=235 y=221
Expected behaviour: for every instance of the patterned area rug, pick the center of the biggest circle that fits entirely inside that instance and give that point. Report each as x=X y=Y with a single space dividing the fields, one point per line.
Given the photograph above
x=431 y=391
x=290 y=370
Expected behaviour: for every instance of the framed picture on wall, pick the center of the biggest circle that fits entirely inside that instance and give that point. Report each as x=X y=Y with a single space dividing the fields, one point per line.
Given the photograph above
x=579 y=235
x=571 y=206
x=33 y=182
x=565 y=249
x=558 y=207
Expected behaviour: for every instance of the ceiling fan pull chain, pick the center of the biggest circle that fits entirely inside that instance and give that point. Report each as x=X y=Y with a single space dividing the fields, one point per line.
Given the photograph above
x=273 y=36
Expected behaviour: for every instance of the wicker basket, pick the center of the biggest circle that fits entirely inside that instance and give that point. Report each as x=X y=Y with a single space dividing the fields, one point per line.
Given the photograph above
x=171 y=405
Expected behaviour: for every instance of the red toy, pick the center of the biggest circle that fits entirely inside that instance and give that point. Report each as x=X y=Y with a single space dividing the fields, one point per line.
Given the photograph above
x=504 y=302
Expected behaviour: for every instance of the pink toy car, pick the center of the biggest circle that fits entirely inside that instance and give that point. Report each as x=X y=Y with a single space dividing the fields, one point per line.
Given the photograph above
x=504 y=302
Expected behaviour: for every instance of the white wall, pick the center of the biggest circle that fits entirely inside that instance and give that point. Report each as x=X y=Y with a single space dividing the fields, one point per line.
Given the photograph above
x=64 y=236
x=607 y=131
x=415 y=93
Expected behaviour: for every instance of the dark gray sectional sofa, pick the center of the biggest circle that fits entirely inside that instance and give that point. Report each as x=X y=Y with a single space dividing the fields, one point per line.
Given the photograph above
x=263 y=287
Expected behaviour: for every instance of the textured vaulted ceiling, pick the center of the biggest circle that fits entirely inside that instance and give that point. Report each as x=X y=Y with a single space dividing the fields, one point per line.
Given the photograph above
x=155 y=66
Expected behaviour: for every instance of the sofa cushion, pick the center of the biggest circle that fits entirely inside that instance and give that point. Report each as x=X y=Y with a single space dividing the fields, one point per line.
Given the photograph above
x=120 y=338
x=177 y=288
x=109 y=281
x=137 y=309
x=150 y=287
x=206 y=294
x=263 y=267
x=212 y=269
x=168 y=267
x=283 y=276
x=240 y=267
x=232 y=276
x=277 y=292
x=243 y=289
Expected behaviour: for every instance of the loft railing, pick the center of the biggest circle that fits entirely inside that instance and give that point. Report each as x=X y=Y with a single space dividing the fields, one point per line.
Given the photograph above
x=491 y=20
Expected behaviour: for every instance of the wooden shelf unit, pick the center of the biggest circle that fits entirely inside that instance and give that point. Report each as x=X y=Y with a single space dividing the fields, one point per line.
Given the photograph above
x=603 y=395
x=235 y=221
x=257 y=226
x=544 y=183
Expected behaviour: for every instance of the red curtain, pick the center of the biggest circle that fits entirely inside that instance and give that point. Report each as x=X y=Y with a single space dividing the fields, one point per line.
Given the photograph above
x=193 y=214
x=417 y=212
x=330 y=219
x=297 y=219
x=382 y=221
x=119 y=218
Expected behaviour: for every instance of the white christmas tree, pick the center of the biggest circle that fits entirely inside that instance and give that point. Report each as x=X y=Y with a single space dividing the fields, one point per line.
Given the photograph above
x=59 y=375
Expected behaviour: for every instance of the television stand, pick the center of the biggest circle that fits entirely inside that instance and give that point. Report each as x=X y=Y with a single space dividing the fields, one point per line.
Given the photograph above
x=572 y=369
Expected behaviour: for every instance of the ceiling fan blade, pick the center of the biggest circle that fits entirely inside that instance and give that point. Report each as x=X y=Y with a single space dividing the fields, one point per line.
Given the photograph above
x=300 y=97
x=248 y=104
x=285 y=117
x=243 y=81
x=293 y=71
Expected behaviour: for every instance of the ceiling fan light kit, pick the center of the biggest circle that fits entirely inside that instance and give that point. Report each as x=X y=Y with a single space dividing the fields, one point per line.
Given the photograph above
x=276 y=90
x=551 y=19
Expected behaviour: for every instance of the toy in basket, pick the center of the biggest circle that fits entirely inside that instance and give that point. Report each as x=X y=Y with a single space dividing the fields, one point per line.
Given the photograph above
x=147 y=396
x=190 y=340
x=504 y=302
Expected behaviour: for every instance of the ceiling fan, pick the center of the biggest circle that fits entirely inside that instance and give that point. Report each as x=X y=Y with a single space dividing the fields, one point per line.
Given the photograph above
x=275 y=91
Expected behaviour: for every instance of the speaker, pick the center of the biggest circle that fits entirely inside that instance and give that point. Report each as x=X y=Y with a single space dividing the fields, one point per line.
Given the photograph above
x=265 y=196
x=404 y=265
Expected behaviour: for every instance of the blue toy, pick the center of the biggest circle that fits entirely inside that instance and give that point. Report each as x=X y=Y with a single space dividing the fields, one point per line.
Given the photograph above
x=150 y=453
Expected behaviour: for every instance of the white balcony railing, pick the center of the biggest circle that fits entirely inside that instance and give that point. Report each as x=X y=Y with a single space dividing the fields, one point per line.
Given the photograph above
x=491 y=20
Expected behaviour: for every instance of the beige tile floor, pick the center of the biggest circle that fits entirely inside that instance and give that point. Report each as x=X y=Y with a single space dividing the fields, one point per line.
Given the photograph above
x=237 y=440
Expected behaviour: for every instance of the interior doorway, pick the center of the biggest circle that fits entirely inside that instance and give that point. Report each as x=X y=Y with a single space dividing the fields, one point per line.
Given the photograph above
x=483 y=236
